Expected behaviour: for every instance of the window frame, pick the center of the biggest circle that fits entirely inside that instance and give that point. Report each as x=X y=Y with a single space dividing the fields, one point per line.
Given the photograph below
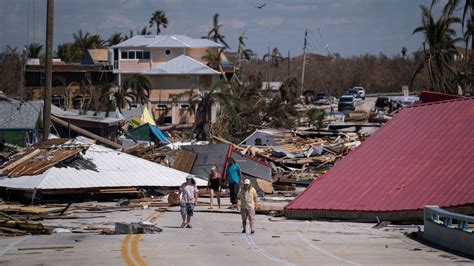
x=145 y=54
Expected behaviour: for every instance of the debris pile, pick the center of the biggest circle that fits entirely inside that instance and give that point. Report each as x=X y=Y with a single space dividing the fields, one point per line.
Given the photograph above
x=41 y=156
x=300 y=156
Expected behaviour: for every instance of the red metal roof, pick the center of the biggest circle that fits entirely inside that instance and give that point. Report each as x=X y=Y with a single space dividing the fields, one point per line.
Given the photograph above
x=424 y=155
x=430 y=96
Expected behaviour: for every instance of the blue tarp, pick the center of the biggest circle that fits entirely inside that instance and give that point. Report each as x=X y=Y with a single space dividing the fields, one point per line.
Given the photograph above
x=158 y=134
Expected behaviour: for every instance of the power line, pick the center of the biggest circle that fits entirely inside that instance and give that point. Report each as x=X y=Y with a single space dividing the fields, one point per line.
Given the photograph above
x=27 y=22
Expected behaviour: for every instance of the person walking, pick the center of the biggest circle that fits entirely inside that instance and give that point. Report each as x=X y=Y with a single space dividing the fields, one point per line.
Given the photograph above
x=234 y=178
x=188 y=199
x=248 y=203
x=214 y=186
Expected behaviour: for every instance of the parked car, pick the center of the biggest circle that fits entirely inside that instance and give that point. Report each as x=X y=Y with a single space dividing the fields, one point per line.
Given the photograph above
x=361 y=91
x=354 y=93
x=346 y=102
x=320 y=98
x=384 y=104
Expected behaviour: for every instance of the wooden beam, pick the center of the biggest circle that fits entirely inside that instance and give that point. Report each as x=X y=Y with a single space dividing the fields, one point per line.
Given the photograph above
x=88 y=134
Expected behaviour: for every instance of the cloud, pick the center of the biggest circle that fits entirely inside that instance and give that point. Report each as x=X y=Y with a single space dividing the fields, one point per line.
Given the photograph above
x=235 y=23
x=333 y=21
x=117 y=21
x=270 y=22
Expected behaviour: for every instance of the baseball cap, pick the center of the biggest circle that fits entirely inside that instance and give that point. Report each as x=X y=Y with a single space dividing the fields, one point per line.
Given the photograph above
x=247 y=181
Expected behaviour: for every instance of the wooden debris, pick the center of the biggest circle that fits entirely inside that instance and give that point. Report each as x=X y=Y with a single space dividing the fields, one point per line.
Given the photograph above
x=265 y=186
x=45 y=247
x=16 y=208
x=173 y=199
x=184 y=160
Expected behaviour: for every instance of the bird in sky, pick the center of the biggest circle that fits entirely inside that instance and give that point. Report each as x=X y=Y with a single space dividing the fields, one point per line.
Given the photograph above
x=261 y=6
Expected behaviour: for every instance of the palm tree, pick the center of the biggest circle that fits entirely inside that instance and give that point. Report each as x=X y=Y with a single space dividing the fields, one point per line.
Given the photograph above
x=34 y=50
x=214 y=33
x=115 y=38
x=274 y=57
x=468 y=10
x=441 y=39
x=87 y=41
x=242 y=51
x=118 y=95
x=130 y=35
x=140 y=86
x=144 y=31
x=159 y=18
x=68 y=52
x=202 y=99
x=207 y=97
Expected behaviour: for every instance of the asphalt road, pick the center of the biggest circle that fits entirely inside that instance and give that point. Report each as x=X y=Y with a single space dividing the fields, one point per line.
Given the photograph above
x=216 y=239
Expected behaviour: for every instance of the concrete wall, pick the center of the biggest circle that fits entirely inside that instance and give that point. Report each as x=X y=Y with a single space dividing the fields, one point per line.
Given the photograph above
x=440 y=230
x=135 y=64
x=159 y=57
x=199 y=53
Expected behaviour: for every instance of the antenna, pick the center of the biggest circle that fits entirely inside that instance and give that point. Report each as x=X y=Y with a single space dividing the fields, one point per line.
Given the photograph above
x=325 y=43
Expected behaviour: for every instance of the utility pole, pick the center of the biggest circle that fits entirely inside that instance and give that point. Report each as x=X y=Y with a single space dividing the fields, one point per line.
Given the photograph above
x=269 y=63
x=48 y=69
x=289 y=58
x=304 y=61
x=22 y=72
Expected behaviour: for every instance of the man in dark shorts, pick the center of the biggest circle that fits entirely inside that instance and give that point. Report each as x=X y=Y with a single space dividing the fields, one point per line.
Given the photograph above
x=234 y=178
x=188 y=197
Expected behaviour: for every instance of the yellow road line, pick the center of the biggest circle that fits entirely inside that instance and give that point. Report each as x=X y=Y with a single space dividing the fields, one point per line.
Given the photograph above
x=136 y=252
x=124 y=250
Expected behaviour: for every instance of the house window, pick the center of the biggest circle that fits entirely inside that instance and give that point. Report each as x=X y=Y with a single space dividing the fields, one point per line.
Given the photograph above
x=139 y=54
x=124 y=55
x=161 y=107
x=167 y=52
x=146 y=54
x=131 y=54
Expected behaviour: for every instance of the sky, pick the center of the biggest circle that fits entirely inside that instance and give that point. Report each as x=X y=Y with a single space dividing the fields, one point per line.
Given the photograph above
x=350 y=27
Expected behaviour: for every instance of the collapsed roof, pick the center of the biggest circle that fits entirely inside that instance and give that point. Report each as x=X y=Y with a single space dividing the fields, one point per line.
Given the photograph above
x=93 y=166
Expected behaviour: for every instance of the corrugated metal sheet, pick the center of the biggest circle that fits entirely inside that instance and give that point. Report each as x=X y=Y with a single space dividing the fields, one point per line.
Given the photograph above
x=207 y=156
x=217 y=154
x=423 y=156
x=102 y=167
x=252 y=166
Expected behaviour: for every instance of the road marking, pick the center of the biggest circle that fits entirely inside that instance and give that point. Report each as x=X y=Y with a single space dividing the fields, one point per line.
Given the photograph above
x=124 y=250
x=300 y=235
x=136 y=252
x=260 y=250
x=12 y=245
